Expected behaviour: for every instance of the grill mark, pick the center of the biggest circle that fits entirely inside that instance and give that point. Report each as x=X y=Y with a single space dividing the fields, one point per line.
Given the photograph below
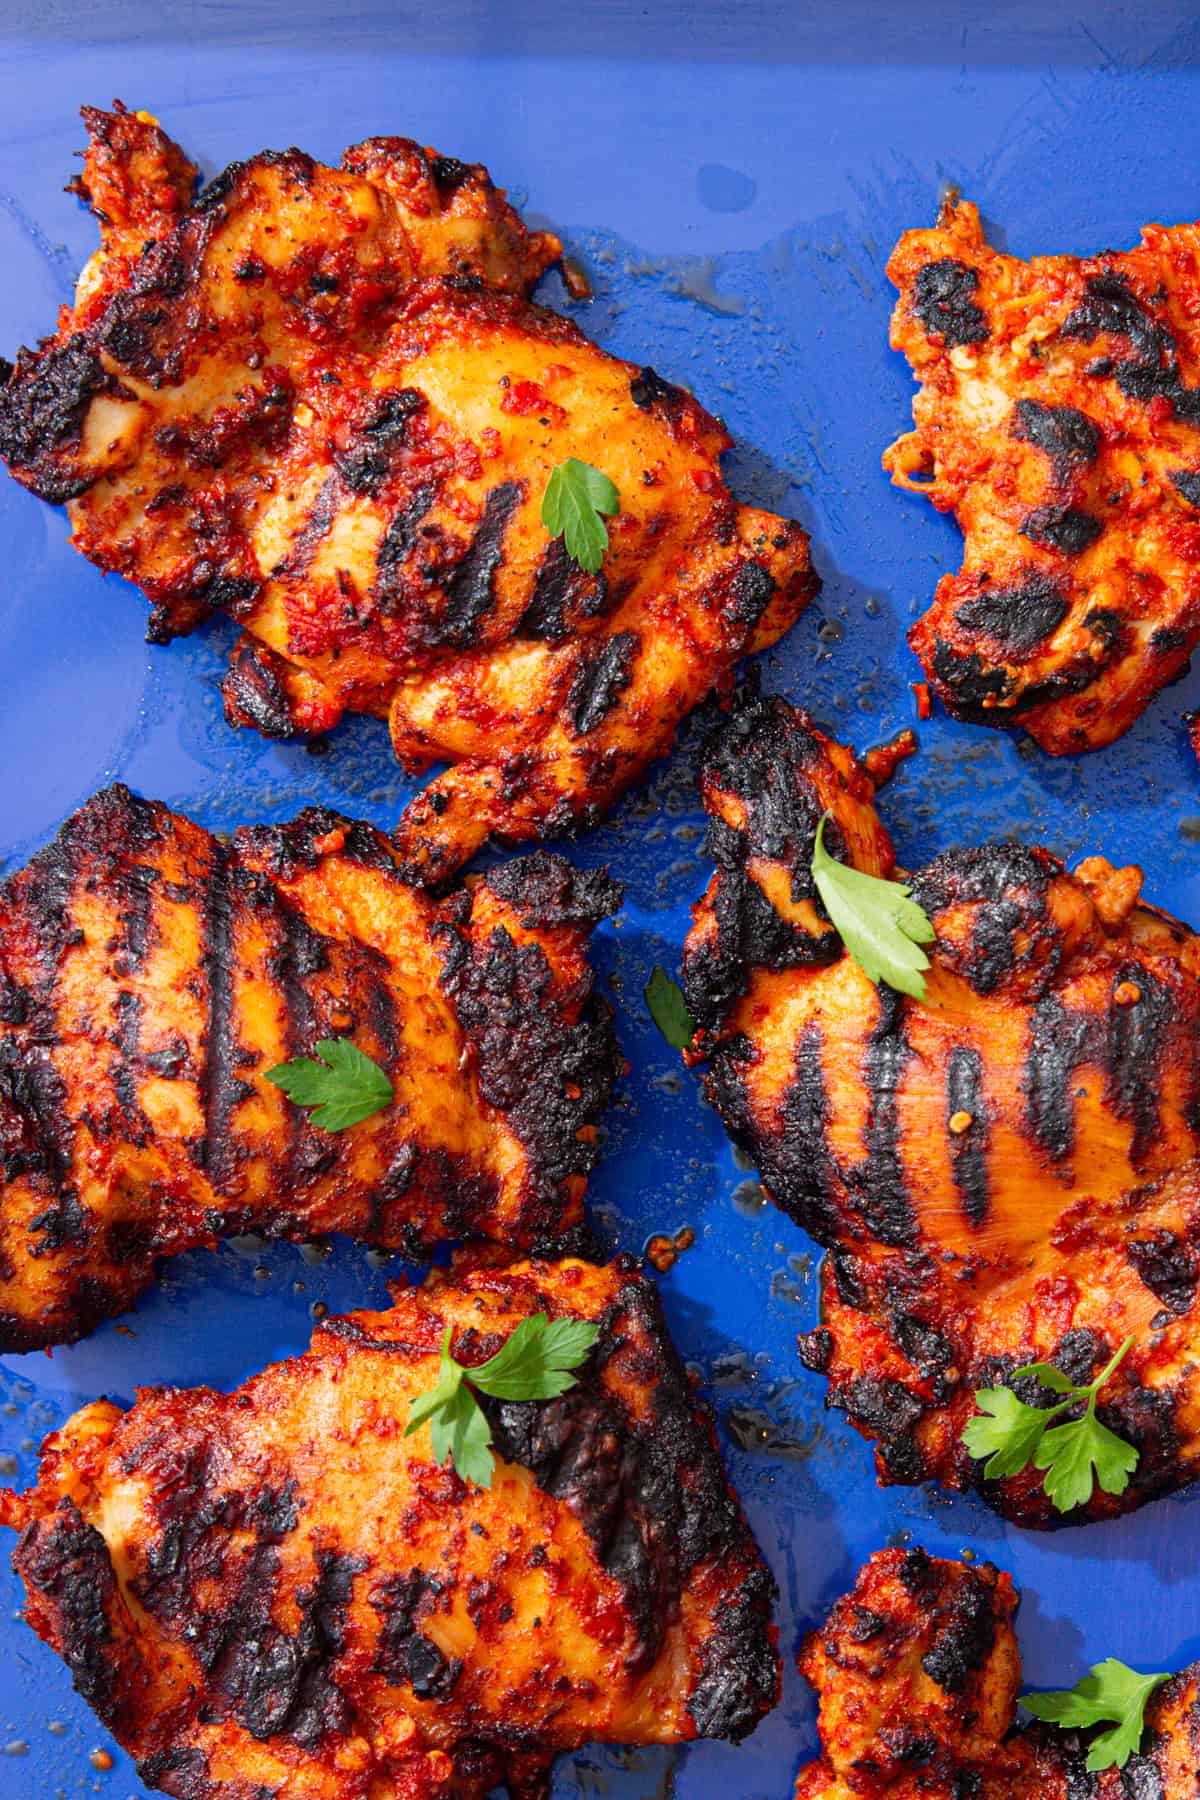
x=135 y=893
x=219 y=1083
x=35 y=1087
x=561 y=588
x=1136 y=1042
x=1187 y=483
x=126 y=1063
x=969 y=1150
x=381 y=1014
x=316 y=527
x=396 y=545
x=50 y=895
x=882 y=1195
x=599 y=681
x=1057 y=1044
x=471 y=590
x=302 y=953
x=30 y=1086
x=809 y=1178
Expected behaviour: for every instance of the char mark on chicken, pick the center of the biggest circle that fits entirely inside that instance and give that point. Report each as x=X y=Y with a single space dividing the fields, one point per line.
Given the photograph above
x=1007 y=1171
x=277 y=1591
x=318 y=401
x=151 y=974
x=1058 y=419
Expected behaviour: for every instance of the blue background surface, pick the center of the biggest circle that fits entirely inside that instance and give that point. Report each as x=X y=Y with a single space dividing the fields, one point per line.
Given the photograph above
x=733 y=177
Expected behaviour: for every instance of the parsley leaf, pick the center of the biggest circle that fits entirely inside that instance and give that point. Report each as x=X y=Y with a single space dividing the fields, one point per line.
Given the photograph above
x=1073 y=1456
x=1081 y=1453
x=668 y=1009
x=1006 y=1430
x=343 y=1088
x=880 y=926
x=1111 y=1692
x=534 y=1364
x=459 y=1430
x=575 y=499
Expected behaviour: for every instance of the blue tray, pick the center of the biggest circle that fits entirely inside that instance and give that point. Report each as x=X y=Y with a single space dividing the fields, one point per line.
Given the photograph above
x=734 y=178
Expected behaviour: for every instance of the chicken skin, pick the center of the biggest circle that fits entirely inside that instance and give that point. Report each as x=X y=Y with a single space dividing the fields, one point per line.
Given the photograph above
x=1059 y=420
x=319 y=402
x=150 y=976
x=277 y=1592
x=1004 y=1172
x=917 y=1671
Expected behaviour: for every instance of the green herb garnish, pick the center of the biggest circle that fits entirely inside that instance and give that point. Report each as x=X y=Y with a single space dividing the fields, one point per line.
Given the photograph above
x=668 y=1009
x=1074 y=1456
x=343 y=1088
x=534 y=1364
x=1111 y=1692
x=880 y=926
x=576 y=501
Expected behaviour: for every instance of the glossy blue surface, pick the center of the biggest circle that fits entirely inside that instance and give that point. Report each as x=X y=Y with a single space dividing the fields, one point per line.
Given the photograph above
x=734 y=178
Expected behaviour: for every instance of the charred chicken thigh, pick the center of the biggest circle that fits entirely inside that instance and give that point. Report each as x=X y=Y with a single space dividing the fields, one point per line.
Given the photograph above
x=151 y=975
x=277 y=1592
x=1059 y=420
x=917 y=1671
x=1003 y=1172
x=318 y=401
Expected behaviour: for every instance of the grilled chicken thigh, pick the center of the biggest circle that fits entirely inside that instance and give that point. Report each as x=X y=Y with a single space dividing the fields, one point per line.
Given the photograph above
x=276 y=1592
x=150 y=975
x=1059 y=420
x=1004 y=1172
x=917 y=1671
x=319 y=402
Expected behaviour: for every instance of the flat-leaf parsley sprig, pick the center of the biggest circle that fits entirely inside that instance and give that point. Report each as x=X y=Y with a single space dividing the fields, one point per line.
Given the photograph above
x=880 y=926
x=669 y=1009
x=1112 y=1692
x=342 y=1089
x=1074 y=1456
x=575 y=504
x=534 y=1364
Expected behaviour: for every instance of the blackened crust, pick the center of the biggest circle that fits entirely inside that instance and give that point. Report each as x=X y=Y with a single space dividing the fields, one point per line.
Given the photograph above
x=1067 y=436
x=551 y=1077
x=550 y=892
x=255 y=693
x=66 y=1568
x=42 y=408
x=537 y=1039
x=1015 y=620
x=652 y=1494
x=761 y=756
x=942 y=300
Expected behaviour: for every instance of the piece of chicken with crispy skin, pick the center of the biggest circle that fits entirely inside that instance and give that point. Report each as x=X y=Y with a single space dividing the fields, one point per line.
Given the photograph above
x=276 y=1591
x=320 y=403
x=917 y=1672
x=1004 y=1172
x=150 y=975
x=1059 y=420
